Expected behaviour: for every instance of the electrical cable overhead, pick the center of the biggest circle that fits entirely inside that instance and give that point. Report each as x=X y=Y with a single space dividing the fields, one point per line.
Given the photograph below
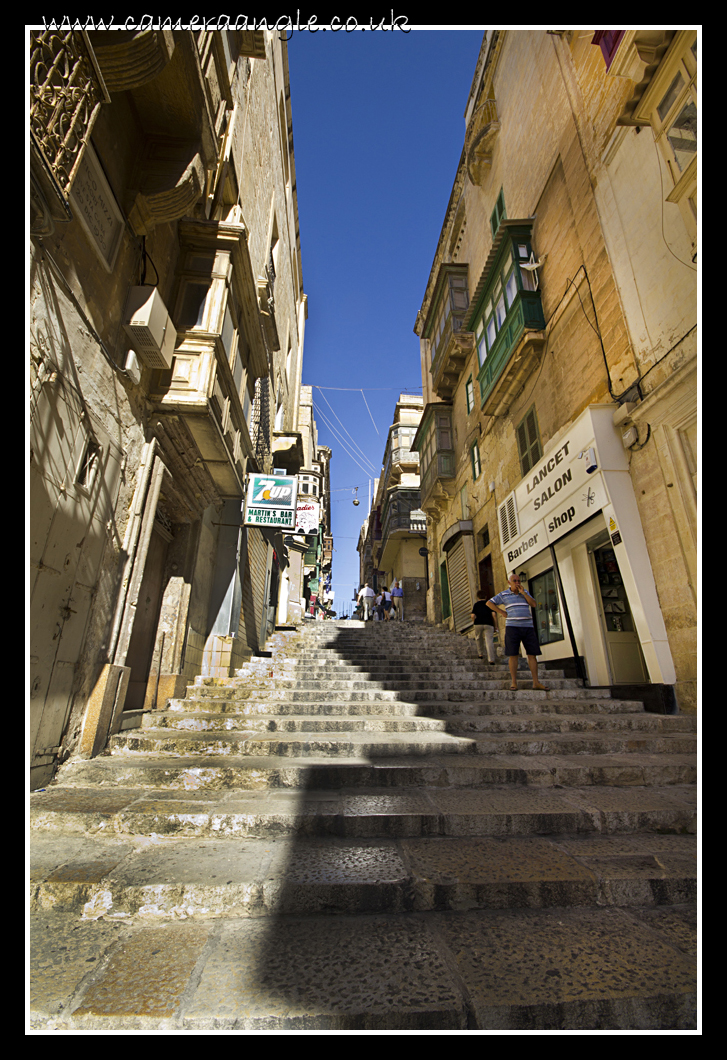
x=345 y=445
x=369 y=412
x=344 y=427
x=363 y=455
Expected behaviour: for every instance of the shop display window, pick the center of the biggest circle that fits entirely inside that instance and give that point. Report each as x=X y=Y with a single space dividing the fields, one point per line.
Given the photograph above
x=614 y=601
x=547 y=616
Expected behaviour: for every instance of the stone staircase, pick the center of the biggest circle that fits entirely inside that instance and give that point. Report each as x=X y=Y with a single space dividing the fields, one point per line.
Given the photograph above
x=369 y=830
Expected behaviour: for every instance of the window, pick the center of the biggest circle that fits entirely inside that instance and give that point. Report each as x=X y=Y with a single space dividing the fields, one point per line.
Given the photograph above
x=508 y=280
x=670 y=106
x=470 y=394
x=608 y=41
x=547 y=614
x=88 y=467
x=475 y=456
x=464 y=506
x=453 y=301
x=498 y=213
x=528 y=441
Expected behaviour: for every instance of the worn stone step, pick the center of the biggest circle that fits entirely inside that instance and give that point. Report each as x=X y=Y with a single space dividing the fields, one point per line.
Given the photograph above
x=342 y=743
x=526 y=969
x=287 y=877
x=219 y=773
x=411 y=688
x=206 y=722
x=515 y=704
x=492 y=811
x=461 y=724
x=276 y=692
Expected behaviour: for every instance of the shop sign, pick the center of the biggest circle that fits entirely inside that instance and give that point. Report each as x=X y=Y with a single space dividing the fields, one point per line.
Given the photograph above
x=308 y=517
x=271 y=501
x=572 y=509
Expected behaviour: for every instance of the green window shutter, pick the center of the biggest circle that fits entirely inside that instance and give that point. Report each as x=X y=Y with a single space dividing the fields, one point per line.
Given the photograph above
x=446 y=607
x=498 y=213
x=528 y=441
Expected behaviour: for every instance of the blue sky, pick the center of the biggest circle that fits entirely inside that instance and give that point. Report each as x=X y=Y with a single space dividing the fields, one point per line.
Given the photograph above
x=378 y=128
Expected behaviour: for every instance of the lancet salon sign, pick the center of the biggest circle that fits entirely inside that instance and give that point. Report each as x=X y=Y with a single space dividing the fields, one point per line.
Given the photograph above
x=557 y=495
x=271 y=501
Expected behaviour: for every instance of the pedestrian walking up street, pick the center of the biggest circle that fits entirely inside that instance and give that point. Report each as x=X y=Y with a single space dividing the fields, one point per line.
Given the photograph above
x=484 y=620
x=366 y=598
x=515 y=604
x=397 y=601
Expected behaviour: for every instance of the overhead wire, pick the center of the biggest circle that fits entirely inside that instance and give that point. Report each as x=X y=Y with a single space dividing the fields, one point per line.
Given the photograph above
x=369 y=412
x=344 y=427
x=347 y=449
x=357 y=446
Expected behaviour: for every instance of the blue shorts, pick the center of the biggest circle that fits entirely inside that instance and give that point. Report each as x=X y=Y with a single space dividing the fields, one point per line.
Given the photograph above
x=517 y=635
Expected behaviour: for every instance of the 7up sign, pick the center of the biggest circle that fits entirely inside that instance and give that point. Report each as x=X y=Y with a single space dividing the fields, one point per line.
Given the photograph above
x=271 y=501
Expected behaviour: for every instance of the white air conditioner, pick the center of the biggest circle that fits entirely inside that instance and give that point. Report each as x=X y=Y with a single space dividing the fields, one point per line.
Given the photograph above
x=150 y=327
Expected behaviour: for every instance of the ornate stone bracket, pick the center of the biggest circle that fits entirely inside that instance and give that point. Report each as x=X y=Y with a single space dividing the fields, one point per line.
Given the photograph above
x=451 y=362
x=134 y=62
x=161 y=207
x=483 y=132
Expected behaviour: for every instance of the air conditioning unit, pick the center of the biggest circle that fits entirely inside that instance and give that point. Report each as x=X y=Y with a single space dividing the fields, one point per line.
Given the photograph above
x=149 y=326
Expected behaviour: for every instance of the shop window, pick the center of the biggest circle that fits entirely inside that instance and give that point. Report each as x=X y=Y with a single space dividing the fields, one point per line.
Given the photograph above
x=614 y=601
x=548 y=618
x=528 y=441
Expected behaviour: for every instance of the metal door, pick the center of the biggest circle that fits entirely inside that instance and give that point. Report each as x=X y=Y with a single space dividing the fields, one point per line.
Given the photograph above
x=459 y=586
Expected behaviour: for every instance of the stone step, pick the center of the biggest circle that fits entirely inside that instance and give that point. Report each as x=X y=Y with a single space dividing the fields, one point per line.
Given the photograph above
x=225 y=722
x=456 y=724
x=222 y=773
x=526 y=969
x=299 y=876
x=392 y=740
x=274 y=692
x=426 y=812
x=340 y=743
x=410 y=687
x=515 y=704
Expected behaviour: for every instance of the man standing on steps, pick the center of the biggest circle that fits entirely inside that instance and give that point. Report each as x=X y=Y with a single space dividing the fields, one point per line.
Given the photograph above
x=366 y=598
x=514 y=603
x=397 y=601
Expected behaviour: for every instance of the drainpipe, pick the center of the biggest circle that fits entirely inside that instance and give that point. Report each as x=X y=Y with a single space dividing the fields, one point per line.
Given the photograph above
x=580 y=670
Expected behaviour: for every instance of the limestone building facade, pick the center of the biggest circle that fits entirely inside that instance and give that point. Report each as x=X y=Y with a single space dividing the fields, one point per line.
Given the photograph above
x=395 y=530
x=558 y=337
x=167 y=320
